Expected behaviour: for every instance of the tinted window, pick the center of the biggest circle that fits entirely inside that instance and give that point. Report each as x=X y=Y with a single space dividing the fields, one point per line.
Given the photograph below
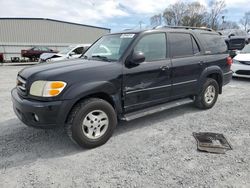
x=79 y=50
x=196 y=48
x=153 y=46
x=214 y=43
x=181 y=44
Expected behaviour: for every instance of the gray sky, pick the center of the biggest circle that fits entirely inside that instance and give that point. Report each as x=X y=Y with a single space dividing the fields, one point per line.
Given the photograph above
x=114 y=14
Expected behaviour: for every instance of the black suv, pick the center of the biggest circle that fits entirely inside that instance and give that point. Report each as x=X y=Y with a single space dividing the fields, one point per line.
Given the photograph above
x=123 y=76
x=235 y=39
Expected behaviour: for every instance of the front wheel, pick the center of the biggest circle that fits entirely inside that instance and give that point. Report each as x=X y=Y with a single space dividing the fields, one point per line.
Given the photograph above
x=209 y=94
x=91 y=122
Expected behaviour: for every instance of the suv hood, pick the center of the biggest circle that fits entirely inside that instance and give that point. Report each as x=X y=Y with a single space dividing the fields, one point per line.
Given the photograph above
x=53 y=69
x=242 y=57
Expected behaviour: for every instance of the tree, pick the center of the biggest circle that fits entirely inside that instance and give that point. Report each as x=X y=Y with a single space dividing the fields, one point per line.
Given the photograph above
x=192 y=14
x=228 y=25
x=195 y=15
x=245 y=21
x=174 y=13
x=156 y=20
x=216 y=9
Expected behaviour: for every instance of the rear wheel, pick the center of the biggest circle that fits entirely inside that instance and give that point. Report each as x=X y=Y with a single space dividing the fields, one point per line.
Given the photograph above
x=209 y=94
x=91 y=123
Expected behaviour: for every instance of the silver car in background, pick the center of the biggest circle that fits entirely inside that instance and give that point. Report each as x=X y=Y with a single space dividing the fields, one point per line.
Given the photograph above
x=71 y=52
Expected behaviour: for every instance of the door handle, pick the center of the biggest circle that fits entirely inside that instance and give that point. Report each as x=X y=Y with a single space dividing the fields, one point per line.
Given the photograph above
x=163 y=68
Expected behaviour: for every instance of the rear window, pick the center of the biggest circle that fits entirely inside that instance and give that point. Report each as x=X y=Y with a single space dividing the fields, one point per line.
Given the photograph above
x=214 y=44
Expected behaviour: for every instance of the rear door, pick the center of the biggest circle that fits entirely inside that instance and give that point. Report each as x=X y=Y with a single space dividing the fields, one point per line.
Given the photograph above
x=149 y=82
x=187 y=63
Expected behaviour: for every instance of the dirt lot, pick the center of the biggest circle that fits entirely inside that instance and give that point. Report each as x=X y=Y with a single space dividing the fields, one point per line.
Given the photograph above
x=154 y=151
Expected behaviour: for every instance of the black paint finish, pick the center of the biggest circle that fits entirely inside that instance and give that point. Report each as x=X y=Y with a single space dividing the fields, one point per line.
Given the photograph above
x=127 y=87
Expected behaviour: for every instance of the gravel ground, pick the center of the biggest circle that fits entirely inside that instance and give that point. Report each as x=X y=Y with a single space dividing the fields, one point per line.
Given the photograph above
x=154 y=151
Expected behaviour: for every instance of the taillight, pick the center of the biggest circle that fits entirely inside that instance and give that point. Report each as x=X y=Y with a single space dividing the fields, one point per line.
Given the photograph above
x=229 y=61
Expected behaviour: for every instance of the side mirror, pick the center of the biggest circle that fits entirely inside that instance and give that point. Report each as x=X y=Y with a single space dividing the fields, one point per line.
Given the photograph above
x=72 y=53
x=137 y=58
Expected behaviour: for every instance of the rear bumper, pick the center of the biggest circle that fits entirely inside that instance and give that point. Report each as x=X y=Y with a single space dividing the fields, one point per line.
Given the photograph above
x=36 y=113
x=227 y=77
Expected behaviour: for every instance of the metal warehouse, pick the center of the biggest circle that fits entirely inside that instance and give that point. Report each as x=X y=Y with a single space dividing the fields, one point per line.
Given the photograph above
x=17 y=34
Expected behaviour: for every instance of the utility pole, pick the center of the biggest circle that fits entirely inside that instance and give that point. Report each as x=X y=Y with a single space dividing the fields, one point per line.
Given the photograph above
x=140 y=23
x=223 y=21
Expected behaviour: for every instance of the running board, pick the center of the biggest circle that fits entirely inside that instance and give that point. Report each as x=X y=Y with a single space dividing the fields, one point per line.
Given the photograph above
x=155 y=109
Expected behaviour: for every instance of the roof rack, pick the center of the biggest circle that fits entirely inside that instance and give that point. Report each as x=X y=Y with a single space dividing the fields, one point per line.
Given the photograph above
x=184 y=27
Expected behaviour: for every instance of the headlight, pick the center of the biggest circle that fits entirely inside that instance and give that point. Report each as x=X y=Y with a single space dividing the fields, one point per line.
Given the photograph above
x=235 y=61
x=47 y=88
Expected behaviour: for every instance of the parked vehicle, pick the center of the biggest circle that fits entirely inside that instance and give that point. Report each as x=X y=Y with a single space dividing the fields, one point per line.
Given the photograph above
x=140 y=73
x=1 y=57
x=71 y=52
x=241 y=63
x=34 y=53
x=235 y=39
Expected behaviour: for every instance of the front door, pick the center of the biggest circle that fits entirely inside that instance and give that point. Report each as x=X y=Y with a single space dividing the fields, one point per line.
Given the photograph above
x=148 y=83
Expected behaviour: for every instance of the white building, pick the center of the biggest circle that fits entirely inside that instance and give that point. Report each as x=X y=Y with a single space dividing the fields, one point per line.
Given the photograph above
x=17 y=34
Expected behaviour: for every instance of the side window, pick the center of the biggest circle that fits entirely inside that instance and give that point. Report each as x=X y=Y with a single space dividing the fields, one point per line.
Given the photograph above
x=214 y=43
x=196 y=48
x=153 y=46
x=181 y=44
x=44 y=49
x=78 y=50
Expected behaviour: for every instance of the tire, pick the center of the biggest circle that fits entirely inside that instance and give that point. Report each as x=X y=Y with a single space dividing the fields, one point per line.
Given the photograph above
x=202 y=100
x=91 y=123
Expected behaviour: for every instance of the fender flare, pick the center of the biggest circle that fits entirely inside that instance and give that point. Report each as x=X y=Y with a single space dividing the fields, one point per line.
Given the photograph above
x=79 y=91
x=208 y=71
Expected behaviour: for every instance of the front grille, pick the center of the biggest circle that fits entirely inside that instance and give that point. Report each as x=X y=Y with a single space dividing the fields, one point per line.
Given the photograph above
x=245 y=62
x=21 y=84
x=243 y=72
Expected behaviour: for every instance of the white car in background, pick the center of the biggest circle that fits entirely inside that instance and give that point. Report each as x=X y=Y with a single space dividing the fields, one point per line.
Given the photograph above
x=241 y=63
x=71 y=52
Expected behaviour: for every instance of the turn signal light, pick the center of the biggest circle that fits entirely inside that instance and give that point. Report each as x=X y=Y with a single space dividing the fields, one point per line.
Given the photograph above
x=57 y=85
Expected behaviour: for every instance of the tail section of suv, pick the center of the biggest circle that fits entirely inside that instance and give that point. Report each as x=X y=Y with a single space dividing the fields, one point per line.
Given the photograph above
x=123 y=76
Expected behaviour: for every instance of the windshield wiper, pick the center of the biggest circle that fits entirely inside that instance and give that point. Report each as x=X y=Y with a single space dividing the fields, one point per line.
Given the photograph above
x=104 y=58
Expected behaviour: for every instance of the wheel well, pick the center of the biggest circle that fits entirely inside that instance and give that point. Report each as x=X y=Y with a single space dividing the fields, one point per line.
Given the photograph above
x=218 y=78
x=103 y=96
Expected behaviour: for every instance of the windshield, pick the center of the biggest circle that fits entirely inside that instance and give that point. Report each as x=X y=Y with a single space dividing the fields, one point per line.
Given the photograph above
x=67 y=50
x=246 y=49
x=109 y=47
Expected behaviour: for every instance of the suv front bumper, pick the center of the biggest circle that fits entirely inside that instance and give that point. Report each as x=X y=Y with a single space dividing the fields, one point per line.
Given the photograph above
x=36 y=113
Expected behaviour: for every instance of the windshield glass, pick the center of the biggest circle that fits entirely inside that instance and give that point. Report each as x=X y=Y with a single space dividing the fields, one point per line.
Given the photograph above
x=67 y=50
x=246 y=49
x=109 y=47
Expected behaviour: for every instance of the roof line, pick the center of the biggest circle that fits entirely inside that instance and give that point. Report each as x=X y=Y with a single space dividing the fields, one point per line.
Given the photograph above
x=48 y=19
